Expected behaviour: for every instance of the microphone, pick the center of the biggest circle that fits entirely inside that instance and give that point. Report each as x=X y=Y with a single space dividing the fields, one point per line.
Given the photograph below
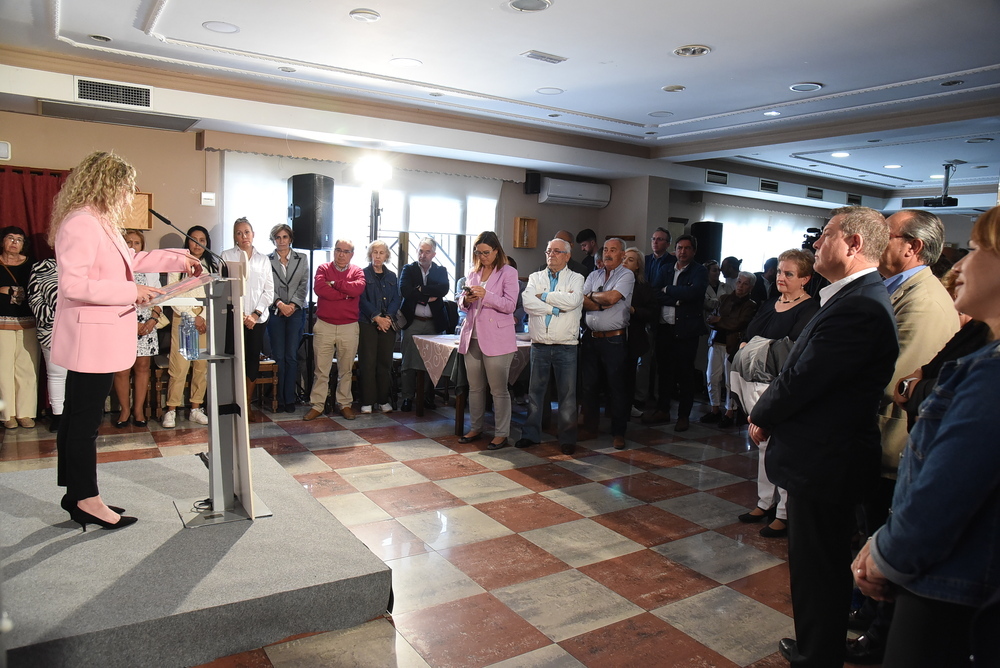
x=222 y=263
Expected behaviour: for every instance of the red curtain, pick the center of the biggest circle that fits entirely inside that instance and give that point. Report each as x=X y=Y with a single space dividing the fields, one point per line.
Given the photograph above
x=26 y=198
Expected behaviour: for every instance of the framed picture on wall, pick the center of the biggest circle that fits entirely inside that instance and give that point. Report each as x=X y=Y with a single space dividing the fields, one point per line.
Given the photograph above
x=140 y=218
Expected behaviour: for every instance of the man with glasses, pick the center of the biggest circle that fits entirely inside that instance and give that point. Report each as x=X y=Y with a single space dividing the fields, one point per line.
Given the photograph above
x=423 y=286
x=607 y=297
x=572 y=265
x=553 y=301
x=338 y=285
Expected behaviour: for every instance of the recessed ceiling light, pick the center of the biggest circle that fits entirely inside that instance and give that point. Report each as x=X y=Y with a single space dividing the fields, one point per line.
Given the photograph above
x=549 y=90
x=862 y=176
x=772 y=113
x=953 y=82
x=814 y=165
x=661 y=114
x=651 y=133
x=286 y=69
x=365 y=15
x=979 y=140
x=405 y=62
x=805 y=87
x=220 y=26
x=981 y=167
x=100 y=38
x=530 y=5
x=840 y=154
x=937 y=176
x=436 y=94
x=891 y=166
x=554 y=115
x=673 y=89
x=874 y=141
x=692 y=50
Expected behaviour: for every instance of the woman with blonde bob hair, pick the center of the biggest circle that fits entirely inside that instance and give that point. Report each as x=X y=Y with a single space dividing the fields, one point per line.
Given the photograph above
x=377 y=308
x=94 y=332
x=487 y=341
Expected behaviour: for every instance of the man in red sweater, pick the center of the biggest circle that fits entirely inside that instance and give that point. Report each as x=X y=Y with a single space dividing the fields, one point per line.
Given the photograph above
x=338 y=285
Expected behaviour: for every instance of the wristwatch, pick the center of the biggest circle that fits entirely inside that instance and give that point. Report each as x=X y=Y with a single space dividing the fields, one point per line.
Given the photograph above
x=257 y=313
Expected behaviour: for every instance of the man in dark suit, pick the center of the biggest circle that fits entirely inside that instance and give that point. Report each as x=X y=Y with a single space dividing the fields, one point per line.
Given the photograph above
x=423 y=286
x=680 y=289
x=763 y=287
x=821 y=413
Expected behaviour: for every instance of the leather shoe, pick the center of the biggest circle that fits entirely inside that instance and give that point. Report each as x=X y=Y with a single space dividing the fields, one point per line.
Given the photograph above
x=407 y=405
x=683 y=424
x=655 y=417
x=470 y=439
x=770 y=532
x=567 y=448
x=750 y=518
x=859 y=620
x=710 y=418
x=619 y=442
x=312 y=414
x=789 y=649
x=497 y=446
x=524 y=443
x=865 y=650
x=347 y=412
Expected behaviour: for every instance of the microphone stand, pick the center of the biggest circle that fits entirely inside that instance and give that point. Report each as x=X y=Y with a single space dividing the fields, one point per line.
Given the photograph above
x=222 y=263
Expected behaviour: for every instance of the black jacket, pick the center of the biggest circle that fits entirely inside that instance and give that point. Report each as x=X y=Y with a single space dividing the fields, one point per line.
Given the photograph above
x=413 y=291
x=688 y=296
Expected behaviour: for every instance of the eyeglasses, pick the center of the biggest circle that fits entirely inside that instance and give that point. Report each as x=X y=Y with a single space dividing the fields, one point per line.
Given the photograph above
x=345 y=251
x=553 y=252
x=16 y=240
x=483 y=253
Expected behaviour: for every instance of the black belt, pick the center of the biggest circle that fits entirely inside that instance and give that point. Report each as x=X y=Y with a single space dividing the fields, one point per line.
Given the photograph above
x=608 y=334
x=421 y=318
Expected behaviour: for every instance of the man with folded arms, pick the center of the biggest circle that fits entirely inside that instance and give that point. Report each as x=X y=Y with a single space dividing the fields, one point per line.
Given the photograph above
x=554 y=303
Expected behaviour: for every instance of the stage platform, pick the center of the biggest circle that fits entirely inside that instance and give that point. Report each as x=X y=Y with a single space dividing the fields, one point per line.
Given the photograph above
x=157 y=594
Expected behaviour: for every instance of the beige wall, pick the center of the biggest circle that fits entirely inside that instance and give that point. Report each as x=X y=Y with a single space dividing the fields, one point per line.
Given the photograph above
x=168 y=163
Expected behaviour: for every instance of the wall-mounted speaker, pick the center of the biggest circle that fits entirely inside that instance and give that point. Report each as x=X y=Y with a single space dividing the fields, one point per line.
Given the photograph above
x=709 y=236
x=532 y=183
x=310 y=211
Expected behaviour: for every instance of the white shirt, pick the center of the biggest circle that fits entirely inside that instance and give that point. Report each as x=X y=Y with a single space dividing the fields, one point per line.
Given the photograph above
x=829 y=291
x=260 y=281
x=423 y=310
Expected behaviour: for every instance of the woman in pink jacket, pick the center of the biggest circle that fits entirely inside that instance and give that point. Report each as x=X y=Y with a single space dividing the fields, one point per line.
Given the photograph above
x=93 y=334
x=487 y=341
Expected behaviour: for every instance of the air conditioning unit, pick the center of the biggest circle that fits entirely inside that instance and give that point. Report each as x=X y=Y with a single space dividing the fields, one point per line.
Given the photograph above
x=574 y=193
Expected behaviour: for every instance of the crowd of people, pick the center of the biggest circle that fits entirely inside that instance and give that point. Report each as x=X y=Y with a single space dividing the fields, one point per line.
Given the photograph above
x=865 y=381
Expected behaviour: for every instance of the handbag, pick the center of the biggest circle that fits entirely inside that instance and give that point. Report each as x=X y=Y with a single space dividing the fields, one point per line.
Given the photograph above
x=398 y=321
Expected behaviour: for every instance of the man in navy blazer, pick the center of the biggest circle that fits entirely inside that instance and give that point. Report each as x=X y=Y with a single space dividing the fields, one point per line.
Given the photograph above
x=423 y=286
x=821 y=413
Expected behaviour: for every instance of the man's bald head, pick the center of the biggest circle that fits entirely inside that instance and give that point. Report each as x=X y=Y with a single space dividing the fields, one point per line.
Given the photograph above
x=566 y=236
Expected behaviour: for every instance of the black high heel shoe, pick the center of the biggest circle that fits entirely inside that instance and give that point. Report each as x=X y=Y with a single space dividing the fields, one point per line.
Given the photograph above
x=83 y=518
x=138 y=423
x=121 y=424
x=470 y=439
x=68 y=506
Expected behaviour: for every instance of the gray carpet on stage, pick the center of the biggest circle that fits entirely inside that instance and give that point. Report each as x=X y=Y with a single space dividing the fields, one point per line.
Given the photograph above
x=157 y=594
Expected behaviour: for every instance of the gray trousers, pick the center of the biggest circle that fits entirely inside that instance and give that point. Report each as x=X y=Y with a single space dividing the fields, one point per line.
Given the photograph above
x=483 y=369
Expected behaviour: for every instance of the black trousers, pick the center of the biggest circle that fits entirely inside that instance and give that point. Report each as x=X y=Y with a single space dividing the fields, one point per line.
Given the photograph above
x=928 y=634
x=609 y=354
x=819 y=566
x=374 y=363
x=675 y=368
x=253 y=343
x=76 y=442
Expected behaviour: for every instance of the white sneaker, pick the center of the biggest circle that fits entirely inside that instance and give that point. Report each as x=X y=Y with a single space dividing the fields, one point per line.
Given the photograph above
x=169 y=420
x=198 y=415
x=385 y=408
x=636 y=412
x=366 y=409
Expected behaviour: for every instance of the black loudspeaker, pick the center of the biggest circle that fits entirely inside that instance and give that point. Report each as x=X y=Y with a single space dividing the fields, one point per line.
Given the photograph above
x=310 y=211
x=532 y=183
x=709 y=236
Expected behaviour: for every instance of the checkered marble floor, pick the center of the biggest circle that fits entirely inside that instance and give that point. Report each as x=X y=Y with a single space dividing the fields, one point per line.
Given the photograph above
x=519 y=557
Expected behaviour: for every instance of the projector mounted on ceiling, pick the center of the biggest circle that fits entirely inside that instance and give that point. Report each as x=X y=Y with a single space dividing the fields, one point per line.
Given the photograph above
x=944 y=200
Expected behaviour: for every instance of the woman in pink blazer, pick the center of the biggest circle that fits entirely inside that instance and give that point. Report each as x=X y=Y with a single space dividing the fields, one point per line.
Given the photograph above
x=93 y=334
x=487 y=341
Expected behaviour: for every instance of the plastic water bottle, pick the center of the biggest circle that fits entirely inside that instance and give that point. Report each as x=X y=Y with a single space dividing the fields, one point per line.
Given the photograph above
x=189 y=338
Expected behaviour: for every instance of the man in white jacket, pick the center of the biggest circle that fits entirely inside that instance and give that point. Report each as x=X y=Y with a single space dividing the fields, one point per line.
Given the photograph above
x=553 y=301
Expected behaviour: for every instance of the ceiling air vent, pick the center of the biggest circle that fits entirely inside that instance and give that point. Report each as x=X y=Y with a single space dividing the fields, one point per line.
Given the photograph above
x=544 y=57
x=814 y=193
x=108 y=92
x=768 y=186
x=853 y=200
x=718 y=178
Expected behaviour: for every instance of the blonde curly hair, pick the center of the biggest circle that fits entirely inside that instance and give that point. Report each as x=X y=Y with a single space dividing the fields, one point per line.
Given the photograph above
x=103 y=182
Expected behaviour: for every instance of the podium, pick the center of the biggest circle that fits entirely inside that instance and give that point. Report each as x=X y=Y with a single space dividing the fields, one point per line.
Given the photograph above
x=230 y=485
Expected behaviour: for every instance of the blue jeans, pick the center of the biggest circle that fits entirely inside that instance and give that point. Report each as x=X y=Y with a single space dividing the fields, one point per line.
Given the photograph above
x=286 y=334
x=562 y=361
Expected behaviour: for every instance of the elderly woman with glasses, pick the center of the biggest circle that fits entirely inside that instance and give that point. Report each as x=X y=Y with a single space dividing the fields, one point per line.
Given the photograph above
x=18 y=340
x=488 y=342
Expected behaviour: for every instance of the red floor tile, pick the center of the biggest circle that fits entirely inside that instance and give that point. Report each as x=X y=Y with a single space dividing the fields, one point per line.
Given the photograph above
x=451 y=441
x=648 y=459
x=750 y=535
x=449 y=466
x=469 y=633
x=11 y=449
x=552 y=450
x=255 y=659
x=545 y=477
x=524 y=513
x=648 y=487
x=412 y=499
x=278 y=445
x=648 y=525
x=325 y=483
x=741 y=465
x=389 y=539
x=181 y=436
x=740 y=493
x=357 y=455
x=388 y=434
x=320 y=424
x=770 y=587
x=504 y=561
x=775 y=661
x=643 y=640
x=648 y=579
x=127 y=455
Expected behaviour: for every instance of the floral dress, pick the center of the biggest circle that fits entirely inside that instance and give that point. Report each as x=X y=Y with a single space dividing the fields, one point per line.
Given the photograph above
x=148 y=345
